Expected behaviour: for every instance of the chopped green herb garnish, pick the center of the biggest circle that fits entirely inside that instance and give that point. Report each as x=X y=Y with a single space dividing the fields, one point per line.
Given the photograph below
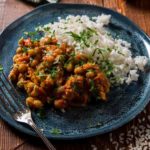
x=71 y=59
x=34 y=36
x=47 y=29
x=101 y=51
x=92 y=86
x=55 y=131
x=41 y=74
x=53 y=72
x=58 y=44
x=62 y=58
x=109 y=34
x=92 y=30
x=53 y=33
x=93 y=89
x=73 y=54
x=94 y=52
x=120 y=53
x=81 y=63
x=25 y=49
x=75 y=87
x=95 y=42
x=75 y=36
x=107 y=67
x=41 y=113
x=31 y=59
x=30 y=34
x=48 y=53
x=84 y=36
x=1 y=68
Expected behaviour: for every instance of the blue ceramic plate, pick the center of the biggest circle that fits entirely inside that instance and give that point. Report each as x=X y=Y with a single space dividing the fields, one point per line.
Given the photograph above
x=124 y=102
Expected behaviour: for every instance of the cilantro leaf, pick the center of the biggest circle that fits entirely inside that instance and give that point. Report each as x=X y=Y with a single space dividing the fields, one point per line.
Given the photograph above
x=41 y=114
x=55 y=131
x=1 y=68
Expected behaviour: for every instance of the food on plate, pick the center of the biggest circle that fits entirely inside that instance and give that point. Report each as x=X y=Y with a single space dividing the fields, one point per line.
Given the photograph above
x=75 y=61
x=54 y=73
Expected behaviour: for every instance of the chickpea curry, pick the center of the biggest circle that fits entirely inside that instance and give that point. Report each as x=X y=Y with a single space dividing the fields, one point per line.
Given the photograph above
x=56 y=74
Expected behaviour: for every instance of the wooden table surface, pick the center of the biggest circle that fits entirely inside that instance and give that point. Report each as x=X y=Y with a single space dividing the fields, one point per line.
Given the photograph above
x=134 y=135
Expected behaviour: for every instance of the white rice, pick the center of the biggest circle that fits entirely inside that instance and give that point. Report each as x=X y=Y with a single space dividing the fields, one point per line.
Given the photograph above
x=101 y=45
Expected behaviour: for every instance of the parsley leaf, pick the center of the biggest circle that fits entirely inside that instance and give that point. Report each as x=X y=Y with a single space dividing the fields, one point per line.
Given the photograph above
x=84 y=36
x=1 y=68
x=93 y=90
x=53 y=72
x=55 y=131
x=25 y=49
x=41 y=114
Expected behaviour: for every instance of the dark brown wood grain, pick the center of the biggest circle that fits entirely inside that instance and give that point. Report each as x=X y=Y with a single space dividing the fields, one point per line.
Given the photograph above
x=10 y=139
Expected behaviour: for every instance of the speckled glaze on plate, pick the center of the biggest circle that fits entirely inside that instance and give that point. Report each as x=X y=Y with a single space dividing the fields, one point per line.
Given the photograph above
x=124 y=102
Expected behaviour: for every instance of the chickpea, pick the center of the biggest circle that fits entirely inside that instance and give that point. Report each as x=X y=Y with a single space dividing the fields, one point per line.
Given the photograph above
x=49 y=59
x=100 y=77
x=29 y=87
x=90 y=74
x=21 y=42
x=45 y=41
x=107 y=86
x=38 y=50
x=79 y=78
x=43 y=85
x=20 y=83
x=41 y=92
x=20 y=76
x=13 y=74
x=54 y=41
x=69 y=67
x=34 y=63
x=46 y=65
x=35 y=91
x=49 y=82
x=63 y=46
x=30 y=101
x=57 y=51
x=69 y=94
x=35 y=79
x=37 y=104
x=19 y=50
x=103 y=96
x=68 y=50
x=31 y=52
x=78 y=70
x=55 y=54
x=38 y=57
x=60 y=104
x=81 y=56
x=23 y=58
x=27 y=42
x=60 y=89
x=50 y=47
x=16 y=57
x=36 y=43
x=22 y=68
x=88 y=66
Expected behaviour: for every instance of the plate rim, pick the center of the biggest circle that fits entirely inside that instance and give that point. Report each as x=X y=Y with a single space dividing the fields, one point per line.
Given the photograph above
x=133 y=113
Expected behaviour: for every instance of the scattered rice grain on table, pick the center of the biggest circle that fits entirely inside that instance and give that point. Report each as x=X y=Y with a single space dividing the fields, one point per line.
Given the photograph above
x=136 y=138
